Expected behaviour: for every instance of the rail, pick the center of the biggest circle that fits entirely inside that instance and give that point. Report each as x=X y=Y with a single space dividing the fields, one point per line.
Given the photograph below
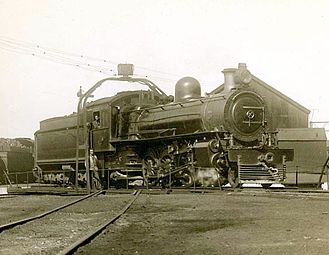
x=23 y=221
x=66 y=230
x=87 y=238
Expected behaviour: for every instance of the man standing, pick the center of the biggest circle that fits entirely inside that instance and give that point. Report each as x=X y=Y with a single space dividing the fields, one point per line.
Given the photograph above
x=96 y=183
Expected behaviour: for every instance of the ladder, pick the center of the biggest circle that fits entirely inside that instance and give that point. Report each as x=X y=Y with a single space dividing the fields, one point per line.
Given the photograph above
x=324 y=167
x=7 y=177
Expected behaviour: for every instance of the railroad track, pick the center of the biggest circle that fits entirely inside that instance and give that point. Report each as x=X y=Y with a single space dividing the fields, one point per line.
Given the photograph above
x=25 y=220
x=6 y=196
x=66 y=228
x=88 y=237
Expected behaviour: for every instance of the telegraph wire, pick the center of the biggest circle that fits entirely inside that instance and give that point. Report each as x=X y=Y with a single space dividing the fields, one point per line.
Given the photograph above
x=30 y=46
x=67 y=58
x=81 y=56
x=82 y=61
x=40 y=52
x=25 y=44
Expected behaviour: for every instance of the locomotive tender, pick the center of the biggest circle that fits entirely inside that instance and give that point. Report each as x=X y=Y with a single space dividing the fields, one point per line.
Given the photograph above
x=150 y=138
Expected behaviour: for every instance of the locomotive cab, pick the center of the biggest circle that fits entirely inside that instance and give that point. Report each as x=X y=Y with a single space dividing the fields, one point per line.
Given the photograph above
x=110 y=119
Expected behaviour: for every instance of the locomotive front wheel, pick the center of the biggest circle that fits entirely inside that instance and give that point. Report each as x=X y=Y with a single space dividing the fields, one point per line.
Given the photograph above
x=187 y=179
x=214 y=146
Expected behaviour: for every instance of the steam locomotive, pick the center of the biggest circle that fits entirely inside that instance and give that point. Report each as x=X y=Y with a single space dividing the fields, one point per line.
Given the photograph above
x=147 y=138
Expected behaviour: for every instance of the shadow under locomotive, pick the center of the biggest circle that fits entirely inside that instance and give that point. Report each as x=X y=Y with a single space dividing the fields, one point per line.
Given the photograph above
x=147 y=138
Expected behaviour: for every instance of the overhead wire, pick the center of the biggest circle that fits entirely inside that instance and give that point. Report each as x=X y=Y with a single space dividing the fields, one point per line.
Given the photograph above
x=103 y=60
x=72 y=59
x=24 y=44
x=52 y=56
x=82 y=61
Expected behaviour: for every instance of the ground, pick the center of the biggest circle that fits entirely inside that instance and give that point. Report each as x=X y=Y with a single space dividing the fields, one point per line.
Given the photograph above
x=220 y=223
x=215 y=222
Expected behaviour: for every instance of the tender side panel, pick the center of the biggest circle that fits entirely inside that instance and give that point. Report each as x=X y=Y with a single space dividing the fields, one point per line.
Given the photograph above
x=57 y=145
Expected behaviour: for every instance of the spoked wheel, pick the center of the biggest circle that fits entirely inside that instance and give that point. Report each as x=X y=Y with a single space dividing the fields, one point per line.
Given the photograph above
x=166 y=163
x=233 y=177
x=165 y=168
x=150 y=169
x=187 y=179
x=150 y=164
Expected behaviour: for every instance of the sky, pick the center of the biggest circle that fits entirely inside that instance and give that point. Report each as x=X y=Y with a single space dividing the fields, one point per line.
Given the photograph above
x=284 y=43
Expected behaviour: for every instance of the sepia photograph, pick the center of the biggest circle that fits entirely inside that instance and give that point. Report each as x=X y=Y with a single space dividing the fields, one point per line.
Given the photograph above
x=164 y=127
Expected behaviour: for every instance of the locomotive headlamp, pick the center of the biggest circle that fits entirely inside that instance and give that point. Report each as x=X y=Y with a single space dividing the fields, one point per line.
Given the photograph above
x=125 y=69
x=234 y=77
x=242 y=75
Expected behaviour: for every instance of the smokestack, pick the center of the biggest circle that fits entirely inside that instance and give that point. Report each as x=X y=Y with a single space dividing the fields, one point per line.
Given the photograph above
x=229 y=83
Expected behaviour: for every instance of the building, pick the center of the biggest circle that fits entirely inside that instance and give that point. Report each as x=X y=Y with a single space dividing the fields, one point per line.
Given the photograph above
x=310 y=153
x=16 y=160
